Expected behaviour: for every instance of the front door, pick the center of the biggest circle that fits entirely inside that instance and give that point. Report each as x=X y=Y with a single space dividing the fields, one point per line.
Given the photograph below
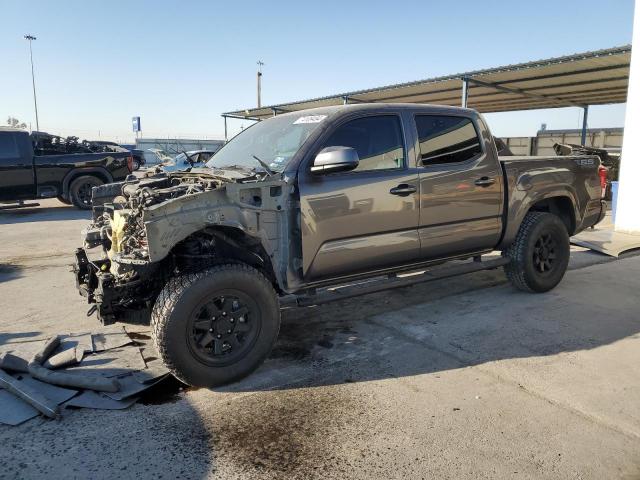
x=460 y=186
x=365 y=219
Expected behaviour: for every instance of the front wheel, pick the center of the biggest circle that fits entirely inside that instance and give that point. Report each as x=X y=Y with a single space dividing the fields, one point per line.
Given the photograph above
x=216 y=326
x=539 y=254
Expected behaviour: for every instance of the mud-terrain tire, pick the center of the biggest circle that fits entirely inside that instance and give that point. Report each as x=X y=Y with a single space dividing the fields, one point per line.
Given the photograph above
x=215 y=326
x=80 y=190
x=62 y=199
x=539 y=254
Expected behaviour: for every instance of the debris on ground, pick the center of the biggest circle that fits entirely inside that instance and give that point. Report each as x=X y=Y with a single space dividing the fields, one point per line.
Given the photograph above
x=103 y=370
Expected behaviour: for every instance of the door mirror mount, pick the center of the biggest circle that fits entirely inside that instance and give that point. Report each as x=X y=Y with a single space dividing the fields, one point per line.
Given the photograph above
x=335 y=159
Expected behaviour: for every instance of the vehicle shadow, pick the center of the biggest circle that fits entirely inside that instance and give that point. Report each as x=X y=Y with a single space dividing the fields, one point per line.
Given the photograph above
x=430 y=327
x=42 y=214
x=169 y=430
x=6 y=338
x=9 y=272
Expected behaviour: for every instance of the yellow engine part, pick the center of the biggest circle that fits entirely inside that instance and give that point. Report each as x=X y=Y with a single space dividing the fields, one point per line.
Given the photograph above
x=118 y=223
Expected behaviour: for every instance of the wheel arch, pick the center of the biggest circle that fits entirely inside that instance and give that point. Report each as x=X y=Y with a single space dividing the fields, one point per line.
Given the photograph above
x=226 y=243
x=560 y=202
x=561 y=206
x=98 y=172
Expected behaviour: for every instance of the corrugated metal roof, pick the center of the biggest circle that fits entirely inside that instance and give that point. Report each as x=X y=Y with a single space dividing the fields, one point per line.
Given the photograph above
x=590 y=78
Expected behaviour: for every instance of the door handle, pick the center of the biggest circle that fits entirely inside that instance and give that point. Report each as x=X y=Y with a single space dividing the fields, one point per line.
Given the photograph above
x=485 y=182
x=403 y=190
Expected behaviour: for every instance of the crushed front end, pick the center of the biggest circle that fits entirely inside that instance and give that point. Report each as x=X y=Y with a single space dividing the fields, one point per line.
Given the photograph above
x=146 y=231
x=113 y=269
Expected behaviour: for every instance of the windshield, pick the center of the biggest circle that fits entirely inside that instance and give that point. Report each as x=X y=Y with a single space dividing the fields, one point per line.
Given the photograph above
x=181 y=159
x=274 y=141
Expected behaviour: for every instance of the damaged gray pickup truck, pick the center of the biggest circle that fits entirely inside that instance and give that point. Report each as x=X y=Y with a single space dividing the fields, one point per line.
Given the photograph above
x=320 y=205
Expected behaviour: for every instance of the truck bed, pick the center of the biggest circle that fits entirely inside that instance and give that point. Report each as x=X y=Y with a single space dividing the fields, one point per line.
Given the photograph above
x=528 y=179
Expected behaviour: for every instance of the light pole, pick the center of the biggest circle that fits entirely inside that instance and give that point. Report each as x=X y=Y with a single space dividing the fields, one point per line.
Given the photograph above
x=260 y=64
x=33 y=78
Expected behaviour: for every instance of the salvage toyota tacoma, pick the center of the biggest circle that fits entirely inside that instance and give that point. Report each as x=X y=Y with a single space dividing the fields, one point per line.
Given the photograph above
x=302 y=208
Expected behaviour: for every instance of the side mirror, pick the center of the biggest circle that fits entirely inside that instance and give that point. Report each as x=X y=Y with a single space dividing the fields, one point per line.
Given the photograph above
x=335 y=159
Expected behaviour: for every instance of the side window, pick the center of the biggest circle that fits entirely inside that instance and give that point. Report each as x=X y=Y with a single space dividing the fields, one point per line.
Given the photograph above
x=446 y=139
x=8 y=147
x=378 y=141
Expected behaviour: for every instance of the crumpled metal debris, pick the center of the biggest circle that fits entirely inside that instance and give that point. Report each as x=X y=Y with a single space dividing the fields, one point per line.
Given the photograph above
x=65 y=358
x=29 y=395
x=112 y=336
x=95 y=400
x=112 y=363
x=108 y=356
x=65 y=379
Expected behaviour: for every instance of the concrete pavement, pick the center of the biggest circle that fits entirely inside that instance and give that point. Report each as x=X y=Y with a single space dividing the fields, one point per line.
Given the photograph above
x=466 y=378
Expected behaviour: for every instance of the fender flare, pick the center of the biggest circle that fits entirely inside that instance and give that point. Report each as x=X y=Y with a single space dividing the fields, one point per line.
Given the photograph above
x=523 y=207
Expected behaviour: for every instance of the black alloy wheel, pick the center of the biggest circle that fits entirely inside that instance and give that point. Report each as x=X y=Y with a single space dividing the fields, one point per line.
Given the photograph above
x=544 y=253
x=224 y=329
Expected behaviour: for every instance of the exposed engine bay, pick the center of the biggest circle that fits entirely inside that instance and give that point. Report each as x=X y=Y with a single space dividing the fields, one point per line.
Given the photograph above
x=120 y=222
x=146 y=230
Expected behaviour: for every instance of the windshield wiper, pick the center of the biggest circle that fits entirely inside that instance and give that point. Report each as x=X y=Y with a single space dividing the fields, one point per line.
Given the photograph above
x=270 y=172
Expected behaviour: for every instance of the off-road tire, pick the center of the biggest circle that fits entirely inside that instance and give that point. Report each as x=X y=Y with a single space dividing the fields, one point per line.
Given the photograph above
x=62 y=199
x=135 y=165
x=524 y=270
x=178 y=303
x=80 y=191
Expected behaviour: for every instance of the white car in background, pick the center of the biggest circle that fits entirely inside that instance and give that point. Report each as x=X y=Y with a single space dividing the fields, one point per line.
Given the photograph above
x=155 y=156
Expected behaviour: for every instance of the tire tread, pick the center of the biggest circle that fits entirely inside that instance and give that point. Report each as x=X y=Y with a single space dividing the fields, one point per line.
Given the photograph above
x=517 y=250
x=170 y=296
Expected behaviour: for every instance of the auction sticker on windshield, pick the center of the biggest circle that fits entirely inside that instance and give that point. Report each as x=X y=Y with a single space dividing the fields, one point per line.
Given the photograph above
x=310 y=119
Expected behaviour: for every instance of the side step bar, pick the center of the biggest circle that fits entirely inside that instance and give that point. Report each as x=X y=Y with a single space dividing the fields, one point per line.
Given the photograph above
x=20 y=204
x=392 y=281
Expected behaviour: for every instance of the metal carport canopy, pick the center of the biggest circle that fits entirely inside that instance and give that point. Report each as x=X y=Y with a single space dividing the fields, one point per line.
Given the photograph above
x=579 y=80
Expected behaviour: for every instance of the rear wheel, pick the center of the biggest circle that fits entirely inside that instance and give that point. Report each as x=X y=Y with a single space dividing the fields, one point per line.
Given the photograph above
x=80 y=191
x=216 y=326
x=540 y=253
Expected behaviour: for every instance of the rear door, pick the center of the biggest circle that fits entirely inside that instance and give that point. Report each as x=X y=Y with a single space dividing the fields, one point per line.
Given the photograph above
x=16 y=166
x=460 y=186
x=367 y=218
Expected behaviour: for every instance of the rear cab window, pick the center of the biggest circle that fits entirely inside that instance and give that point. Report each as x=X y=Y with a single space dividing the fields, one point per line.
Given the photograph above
x=446 y=139
x=8 y=146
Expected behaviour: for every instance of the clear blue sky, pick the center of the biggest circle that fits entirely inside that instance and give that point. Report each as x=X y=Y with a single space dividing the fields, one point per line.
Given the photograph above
x=180 y=64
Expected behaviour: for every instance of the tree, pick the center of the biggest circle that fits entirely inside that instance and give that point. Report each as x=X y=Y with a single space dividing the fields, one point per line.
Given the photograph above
x=15 y=123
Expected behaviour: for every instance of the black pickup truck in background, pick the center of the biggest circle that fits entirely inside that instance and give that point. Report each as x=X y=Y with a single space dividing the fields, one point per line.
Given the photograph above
x=27 y=174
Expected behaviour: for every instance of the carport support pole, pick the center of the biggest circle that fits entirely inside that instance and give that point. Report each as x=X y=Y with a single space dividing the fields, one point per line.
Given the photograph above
x=627 y=218
x=465 y=91
x=225 y=127
x=585 y=115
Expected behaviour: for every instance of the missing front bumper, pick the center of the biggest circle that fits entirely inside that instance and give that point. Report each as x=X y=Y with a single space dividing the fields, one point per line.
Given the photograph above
x=130 y=302
x=95 y=285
